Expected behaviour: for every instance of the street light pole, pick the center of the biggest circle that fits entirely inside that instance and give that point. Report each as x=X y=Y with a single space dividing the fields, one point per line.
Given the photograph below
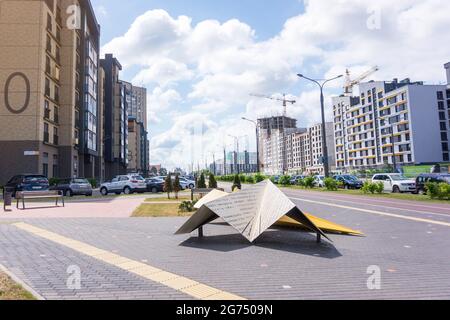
x=258 y=163
x=324 y=130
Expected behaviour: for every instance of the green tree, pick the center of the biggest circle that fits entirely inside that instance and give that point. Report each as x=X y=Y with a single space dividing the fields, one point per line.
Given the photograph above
x=212 y=183
x=176 y=186
x=163 y=172
x=309 y=182
x=201 y=182
x=168 y=186
x=154 y=171
x=236 y=183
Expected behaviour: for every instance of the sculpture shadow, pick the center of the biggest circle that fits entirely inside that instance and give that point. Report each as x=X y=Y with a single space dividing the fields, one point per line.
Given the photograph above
x=296 y=242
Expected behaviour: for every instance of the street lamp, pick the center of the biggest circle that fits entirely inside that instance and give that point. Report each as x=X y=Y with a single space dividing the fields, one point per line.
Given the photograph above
x=258 y=164
x=321 y=84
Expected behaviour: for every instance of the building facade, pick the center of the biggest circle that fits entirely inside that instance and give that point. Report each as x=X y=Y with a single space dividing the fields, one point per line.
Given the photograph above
x=401 y=123
x=48 y=76
x=244 y=162
x=115 y=119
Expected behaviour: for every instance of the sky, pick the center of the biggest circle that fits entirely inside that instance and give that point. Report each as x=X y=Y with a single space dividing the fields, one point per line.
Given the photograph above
x=201 y=60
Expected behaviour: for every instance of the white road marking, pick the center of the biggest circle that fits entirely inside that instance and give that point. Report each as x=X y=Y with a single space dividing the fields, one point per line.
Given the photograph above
x=446 y=224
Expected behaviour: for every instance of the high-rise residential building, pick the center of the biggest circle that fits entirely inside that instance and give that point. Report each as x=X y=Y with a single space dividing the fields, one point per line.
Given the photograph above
x=447 y=69
x=402 y=119
x=244 y=162
x=272 y=143
x=115 y=119
x=305 y=150
x=49 y=74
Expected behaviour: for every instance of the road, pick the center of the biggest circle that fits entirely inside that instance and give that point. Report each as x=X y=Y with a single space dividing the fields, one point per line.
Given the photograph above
x=406 y=243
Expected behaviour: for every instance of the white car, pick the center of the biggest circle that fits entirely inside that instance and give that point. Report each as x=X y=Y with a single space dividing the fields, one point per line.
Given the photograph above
x=185 y=183
x=127 y=184
x=394 y=182
x=319 y=181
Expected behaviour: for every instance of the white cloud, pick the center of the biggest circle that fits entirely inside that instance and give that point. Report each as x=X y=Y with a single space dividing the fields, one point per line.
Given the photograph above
x=224 y=62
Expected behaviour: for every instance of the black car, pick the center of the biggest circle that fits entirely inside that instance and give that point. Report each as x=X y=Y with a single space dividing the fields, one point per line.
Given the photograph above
x=155 y=185
x=423 y=179
x=74 y=187
x=349 y=181
x=27 y=182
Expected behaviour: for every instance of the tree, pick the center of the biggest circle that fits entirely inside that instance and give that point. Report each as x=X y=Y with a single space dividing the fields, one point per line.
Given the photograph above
x=163 y=172
x=236 y=183
x=212 y=184
x=168 y=187
x=154 y=171
x=176 y=185
x=202 y=182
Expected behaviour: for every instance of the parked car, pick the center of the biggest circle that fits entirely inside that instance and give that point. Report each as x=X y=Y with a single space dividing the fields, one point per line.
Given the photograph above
x=349 y=181
x=28 y=182
x=423 y=179
x=187 y=184
x=319 y=181
x=296 y=179
x=74 y=187
x=155 y=185
x=394 y=182
x=127 y=184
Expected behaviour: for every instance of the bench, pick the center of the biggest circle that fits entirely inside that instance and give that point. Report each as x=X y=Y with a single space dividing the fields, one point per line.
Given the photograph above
x=36 y=195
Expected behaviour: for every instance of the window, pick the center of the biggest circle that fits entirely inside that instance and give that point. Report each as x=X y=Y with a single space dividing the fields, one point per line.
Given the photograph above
x=45 y=169
x=443 y=126
x=441 y=105
x=49 y=22
x=442 y=116
x=446 y=157
x=445 y=147
x=46 y=134
x=47 y=87
x=440 y=95
x=444 y=136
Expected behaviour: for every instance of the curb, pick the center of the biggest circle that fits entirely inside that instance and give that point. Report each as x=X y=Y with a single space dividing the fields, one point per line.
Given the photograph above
x=20 y=282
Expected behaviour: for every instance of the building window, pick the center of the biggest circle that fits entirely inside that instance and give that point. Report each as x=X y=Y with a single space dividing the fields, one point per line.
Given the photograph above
x=446 y=157
x=46 y=134
x=444 y=136
x=45 y=169
x=443 y=126
x=445 y=147
x=47 y=87
x=440 y=95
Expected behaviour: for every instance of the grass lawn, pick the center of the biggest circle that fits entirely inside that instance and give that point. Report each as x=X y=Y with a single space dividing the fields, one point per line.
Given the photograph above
x=172 y=199
x=156 y=210
x=9 y=290
x=399 y=196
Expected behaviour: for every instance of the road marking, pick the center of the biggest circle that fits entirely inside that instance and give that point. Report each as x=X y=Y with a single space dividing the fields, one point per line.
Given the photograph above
x=187 y=286
x=377 y=212
x=394 y=208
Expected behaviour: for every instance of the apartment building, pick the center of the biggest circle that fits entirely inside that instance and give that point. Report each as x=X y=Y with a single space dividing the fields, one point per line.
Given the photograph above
x=272 y=143
x=48 y=76
x=305 y=150
x=244 y=162
x=402 y=119
x=115 y=118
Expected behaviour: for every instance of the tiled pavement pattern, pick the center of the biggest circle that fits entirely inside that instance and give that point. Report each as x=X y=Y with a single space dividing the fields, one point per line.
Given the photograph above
x=413 y=256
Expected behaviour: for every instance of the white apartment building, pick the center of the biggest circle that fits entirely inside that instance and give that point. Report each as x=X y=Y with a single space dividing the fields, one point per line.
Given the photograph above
x=410 y=121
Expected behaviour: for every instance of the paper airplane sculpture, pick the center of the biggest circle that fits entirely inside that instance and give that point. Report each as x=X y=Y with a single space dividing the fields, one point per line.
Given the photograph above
x=256 y=209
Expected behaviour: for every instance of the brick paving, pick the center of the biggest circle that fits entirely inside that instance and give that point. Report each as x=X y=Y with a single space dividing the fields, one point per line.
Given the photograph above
x=413 y=257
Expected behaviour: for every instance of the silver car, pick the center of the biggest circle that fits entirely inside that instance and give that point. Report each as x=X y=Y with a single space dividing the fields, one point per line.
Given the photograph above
x=124 y=184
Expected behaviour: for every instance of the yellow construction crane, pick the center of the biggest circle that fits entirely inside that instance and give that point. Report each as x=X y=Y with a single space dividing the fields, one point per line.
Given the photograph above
x=349 y=83
x=284 y=100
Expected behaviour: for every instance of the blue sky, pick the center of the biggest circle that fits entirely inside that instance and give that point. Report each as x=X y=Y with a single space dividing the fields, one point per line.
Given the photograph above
x=200 y=59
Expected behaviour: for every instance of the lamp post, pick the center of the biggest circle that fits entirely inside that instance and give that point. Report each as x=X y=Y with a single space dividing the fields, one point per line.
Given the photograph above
x=321 y=84
x=258 y=163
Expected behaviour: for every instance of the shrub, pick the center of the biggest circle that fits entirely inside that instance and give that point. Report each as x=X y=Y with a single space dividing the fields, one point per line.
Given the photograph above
x=212 y=183
x=439 y=191
x=201 y=182
x=300 y=182
x=53 y=182
x=331 y=184
x=285 y=181
x=309 y=182
x=187 y=206
x=372 y=188
x=259 y=178
x=168 y=186
x=176 y=186
x=250 y=179
x=236 y=183
x=93 y=183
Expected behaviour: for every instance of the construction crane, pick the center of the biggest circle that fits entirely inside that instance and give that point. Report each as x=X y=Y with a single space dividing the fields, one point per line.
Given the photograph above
x=349 y=83
x=284 y=100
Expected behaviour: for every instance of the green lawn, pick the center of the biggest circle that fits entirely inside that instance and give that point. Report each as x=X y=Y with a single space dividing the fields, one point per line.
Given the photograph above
x=157 y=210
x=9 y=290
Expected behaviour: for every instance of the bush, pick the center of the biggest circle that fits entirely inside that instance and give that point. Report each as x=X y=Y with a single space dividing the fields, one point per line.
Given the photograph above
x=259 y=178
x=300 y=182
x=250 y=179
x=439 y=191
x=309 y=182
x=201 y=182
x=285 y=181
x=93 y=183
x=53 y=182
x=236 y=183
x=372 y=188
x=331 y=184
x=187 y=206
x=212 y=183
